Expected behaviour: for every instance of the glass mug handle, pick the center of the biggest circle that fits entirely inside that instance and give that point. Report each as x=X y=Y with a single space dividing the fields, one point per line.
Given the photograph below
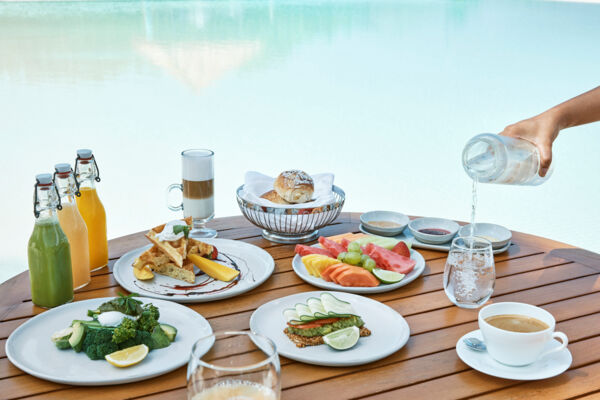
x=169 y=189
x=563 y=338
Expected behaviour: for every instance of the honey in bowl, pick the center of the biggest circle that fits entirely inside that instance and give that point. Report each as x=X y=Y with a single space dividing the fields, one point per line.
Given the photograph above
x=517 y=323
x=384 y=224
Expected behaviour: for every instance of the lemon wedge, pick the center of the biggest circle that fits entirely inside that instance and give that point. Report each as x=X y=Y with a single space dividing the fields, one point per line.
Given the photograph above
x=214 y=269
x=144 y=273
x=128 y=356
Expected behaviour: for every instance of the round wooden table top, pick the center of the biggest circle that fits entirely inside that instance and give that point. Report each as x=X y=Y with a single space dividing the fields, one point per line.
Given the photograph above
x=562 y=279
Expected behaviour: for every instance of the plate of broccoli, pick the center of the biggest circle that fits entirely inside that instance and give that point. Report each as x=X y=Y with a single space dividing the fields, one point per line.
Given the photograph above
x=68 y=344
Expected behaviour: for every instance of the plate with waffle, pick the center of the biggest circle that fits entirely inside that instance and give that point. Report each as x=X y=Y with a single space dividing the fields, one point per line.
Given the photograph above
x=176 y=267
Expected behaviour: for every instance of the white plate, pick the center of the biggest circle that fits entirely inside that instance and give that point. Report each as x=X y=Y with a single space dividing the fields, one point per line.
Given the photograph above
x=301 y=271
x=30 y=349
x=255 y=265
x=546 y=367
x=408 y=236
x=389 y=331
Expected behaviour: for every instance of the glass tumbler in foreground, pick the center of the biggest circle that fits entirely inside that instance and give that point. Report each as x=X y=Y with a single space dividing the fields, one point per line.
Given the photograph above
x=197 y=186
x=469 y=275
x=234 y=365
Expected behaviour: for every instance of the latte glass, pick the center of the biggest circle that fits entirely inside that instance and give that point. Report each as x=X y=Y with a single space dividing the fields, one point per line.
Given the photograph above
x=469 y=275
x=234 y=365
x=197 y=170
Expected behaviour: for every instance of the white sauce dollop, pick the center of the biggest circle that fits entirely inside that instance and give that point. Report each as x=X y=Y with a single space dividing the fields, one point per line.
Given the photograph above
x=112 y=318
x=167 y=234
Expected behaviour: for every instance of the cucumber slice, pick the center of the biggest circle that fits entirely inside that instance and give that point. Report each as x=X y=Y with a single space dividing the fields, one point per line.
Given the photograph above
x=335 y=306
x=304 y=312
x=316 y=307
x=290 y=315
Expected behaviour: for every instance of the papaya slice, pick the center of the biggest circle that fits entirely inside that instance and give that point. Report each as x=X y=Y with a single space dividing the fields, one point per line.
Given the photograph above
x=357 y=277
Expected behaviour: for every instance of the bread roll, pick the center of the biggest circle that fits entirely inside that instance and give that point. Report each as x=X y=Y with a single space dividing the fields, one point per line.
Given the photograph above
x=272 y=195
x=294 y=186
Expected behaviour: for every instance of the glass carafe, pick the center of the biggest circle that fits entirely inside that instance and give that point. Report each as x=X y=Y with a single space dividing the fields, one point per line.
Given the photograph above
x=91 y=208
x=489 y=158
x=73 y=225
x=48 y=251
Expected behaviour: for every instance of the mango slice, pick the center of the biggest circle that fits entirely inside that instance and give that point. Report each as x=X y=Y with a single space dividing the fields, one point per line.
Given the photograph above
x=144 y=273
x=214 y=269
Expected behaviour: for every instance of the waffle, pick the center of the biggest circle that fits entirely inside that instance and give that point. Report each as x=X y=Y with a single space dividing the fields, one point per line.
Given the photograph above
x=170 y=258
x=176 y=250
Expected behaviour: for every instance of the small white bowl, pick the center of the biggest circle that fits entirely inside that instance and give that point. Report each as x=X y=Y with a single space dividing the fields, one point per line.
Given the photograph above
x=501 y=235
x=388 y=216
x=433 y=223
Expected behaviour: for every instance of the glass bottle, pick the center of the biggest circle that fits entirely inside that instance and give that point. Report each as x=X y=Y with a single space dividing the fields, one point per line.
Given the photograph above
x=91 y=208
x=48 y=250
x=73 y=225
x=489 y=158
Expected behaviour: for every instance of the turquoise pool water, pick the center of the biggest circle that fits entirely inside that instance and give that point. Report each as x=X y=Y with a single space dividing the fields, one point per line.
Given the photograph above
x=382 y=93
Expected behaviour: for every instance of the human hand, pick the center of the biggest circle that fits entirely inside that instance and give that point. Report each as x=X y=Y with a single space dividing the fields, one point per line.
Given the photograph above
x=540 y=130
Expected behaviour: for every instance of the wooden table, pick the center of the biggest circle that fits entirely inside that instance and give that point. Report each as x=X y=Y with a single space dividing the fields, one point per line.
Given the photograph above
x=562 y=279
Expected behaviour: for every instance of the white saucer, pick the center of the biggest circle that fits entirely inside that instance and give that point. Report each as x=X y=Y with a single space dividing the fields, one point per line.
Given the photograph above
x=408 y=236
x=546 y=367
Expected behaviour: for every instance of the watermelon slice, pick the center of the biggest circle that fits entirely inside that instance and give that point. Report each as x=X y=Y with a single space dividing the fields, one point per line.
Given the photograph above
x=345 y=242
x=333 y=247
x=402 y=249
x=387 y=259
x=304 y=250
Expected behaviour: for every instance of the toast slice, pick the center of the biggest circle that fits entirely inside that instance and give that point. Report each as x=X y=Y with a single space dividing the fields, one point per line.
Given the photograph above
x=176 y=250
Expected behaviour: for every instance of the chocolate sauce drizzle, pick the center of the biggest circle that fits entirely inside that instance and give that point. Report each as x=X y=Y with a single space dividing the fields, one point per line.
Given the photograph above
x=187 y=290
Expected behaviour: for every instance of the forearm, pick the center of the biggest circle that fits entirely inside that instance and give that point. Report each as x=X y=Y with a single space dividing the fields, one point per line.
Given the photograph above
x=579 y=110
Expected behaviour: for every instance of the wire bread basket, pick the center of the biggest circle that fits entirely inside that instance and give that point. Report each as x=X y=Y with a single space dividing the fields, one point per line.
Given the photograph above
x=292 y=225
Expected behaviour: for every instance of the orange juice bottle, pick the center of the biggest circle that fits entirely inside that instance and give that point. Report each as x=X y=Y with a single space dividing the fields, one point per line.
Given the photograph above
x=91 y=208
x=73 y=225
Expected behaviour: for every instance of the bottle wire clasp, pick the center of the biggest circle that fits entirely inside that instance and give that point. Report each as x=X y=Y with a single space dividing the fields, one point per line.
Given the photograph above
x=97 y=170
x=35 y=198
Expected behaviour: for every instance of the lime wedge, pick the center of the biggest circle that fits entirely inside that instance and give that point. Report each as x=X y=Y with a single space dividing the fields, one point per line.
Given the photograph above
x=342 y=339
x=387 y=276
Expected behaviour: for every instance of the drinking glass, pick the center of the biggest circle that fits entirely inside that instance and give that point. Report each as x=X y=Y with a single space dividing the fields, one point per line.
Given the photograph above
x=469 y=275
x=234 y=365
x=197 y=170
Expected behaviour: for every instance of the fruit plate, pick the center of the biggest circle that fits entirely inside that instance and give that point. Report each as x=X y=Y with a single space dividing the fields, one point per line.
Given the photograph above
x=255 y=266
x=301 y=271
x=30 y=349
x=389 y=331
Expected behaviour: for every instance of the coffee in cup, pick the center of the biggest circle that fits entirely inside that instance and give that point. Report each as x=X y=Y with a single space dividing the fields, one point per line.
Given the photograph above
x=517 y=333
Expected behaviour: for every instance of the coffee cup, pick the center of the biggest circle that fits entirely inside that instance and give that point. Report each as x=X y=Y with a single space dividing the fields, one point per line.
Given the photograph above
x=517 y=334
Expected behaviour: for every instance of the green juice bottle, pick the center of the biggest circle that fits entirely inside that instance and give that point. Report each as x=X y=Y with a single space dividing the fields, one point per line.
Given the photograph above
x=48 y=250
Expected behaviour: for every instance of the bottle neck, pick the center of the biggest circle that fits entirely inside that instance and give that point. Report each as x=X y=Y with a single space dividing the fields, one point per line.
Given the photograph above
x=86 y=174
x=47 y=203
x=67 y=188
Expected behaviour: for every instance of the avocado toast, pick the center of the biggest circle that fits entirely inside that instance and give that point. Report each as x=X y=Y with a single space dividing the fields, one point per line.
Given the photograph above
x=308 y=323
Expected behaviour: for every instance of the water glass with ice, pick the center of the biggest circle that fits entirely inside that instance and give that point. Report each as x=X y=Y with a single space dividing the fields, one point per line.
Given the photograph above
x=469 y=275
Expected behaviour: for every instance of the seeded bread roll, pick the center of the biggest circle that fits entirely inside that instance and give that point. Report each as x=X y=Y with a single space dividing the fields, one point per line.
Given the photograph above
x=272 y=195
x=294 y=186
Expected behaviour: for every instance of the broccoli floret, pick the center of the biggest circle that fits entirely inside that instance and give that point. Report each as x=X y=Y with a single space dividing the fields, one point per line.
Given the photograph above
x=153 y=310
x=98 y=343
x=159 y=338
x=148 y=320
x=141 y=337
x=125 y=331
